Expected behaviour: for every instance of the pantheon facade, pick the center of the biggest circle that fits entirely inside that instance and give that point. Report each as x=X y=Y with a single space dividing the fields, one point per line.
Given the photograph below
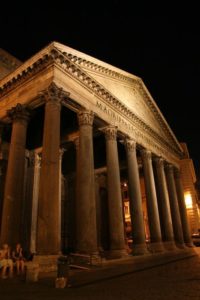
x=89 y=165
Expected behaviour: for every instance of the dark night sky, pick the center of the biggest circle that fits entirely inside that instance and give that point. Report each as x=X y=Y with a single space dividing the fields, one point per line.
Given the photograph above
x=159 y=44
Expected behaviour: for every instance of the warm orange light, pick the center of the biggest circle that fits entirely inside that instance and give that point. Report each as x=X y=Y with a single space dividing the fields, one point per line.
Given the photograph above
x=188 y=200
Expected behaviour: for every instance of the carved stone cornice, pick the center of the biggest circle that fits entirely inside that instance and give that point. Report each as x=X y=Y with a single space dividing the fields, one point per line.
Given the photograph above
x=85 y=117
x=19 y=112
x=98 y=68
x=146 y=154
x=26 y=73
x=72 y=65
x=130 y=145
x=110 y=132
x=54 y=94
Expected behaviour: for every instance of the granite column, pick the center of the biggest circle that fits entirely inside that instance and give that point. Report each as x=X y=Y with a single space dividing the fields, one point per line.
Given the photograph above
x=11 y=229
x=116 y=223
x=175 y=213
x=138 y=231
x=182 y=209
x=86 y=228
x=152 y=205
x=163 y=204
x=48 y=229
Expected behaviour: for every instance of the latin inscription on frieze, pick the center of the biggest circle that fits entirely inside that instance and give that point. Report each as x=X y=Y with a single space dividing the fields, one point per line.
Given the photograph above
x=115 y=117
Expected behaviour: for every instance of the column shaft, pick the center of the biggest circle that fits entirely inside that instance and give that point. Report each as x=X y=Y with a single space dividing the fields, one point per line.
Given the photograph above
x=34 y=210
x=176 y=219
x=163 y=205
x=14 y=186
x=152 y=205
x=48 y=235
x=86 y=206
x=182 y=209
x=116 y=224
x=138 y=231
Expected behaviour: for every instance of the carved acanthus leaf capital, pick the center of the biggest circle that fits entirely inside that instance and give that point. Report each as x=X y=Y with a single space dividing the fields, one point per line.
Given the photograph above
x=19 y=112
x=54 y=94
x=110 y=132
x=169 y=168
x=159 y=162
x=146 y=154
x=130 y=145
x=85 y=117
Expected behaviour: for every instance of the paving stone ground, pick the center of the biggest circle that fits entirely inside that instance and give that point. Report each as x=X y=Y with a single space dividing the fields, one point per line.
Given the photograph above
x=175 y=280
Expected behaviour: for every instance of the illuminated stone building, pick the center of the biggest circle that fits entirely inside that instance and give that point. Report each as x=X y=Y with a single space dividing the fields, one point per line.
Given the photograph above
x=191 y=196
x=81 y=135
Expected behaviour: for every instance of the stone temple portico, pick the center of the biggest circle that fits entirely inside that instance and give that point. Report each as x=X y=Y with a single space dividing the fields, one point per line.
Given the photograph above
x=74 y=127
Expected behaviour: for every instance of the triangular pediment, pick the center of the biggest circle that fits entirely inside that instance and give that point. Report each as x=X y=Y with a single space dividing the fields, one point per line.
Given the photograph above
x=127 y=88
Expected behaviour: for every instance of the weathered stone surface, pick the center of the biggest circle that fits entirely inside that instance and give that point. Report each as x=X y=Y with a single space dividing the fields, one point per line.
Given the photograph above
x=138 y=232
x=48 y=236
x=175 y=213
x=152 y=205
x=11 y=229
x=117 y=239
x=163 y=204
x=86 y=228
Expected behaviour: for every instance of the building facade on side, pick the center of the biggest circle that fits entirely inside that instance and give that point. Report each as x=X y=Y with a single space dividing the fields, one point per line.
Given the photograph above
x=189 y=181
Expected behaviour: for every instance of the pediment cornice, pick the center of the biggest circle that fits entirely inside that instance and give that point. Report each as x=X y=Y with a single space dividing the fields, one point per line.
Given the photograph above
x=74 y=67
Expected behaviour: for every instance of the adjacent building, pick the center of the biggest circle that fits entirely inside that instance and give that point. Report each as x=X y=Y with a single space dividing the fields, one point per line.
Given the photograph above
x=189 y=181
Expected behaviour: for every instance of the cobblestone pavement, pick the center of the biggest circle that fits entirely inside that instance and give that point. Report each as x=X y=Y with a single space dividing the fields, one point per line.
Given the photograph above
x=175 y=280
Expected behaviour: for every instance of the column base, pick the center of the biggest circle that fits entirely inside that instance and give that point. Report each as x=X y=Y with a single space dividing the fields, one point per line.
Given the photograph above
x=140 y=249
x=189 y=244
x=42 y=264
x=170 y=246
x=181 y=246
x=156 y=247
x=117 y=253
x=85 y=260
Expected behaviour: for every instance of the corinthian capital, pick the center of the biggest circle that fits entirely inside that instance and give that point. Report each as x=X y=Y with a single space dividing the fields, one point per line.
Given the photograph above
x=19 y=112
x=159 y=162
x=110 y=132
x=130 y=145
x=54 y=94
x=146 y=154
x=85 y=117
x=169 y=168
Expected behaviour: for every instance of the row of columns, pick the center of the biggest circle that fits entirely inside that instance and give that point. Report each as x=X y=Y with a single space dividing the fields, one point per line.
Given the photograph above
x=170 y=208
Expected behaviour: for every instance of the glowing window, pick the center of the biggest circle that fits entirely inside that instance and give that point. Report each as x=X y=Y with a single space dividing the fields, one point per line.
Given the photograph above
x=188 y=200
